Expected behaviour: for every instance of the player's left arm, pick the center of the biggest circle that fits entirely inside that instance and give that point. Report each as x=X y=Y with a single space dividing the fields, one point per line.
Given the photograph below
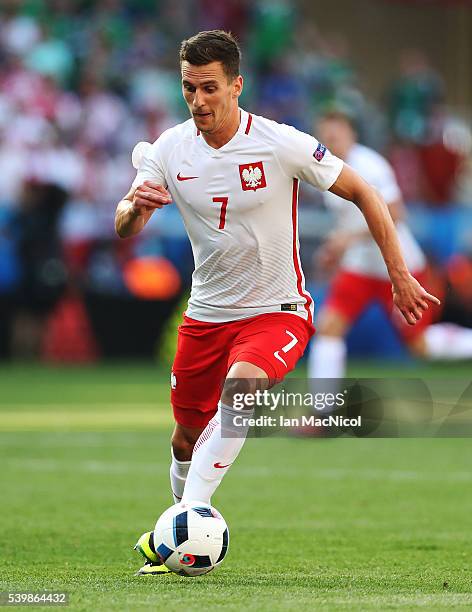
x=338 y=241
x=409 y=296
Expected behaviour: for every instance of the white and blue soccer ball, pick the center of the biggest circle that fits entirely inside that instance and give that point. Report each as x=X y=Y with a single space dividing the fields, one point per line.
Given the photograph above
x=191 y=538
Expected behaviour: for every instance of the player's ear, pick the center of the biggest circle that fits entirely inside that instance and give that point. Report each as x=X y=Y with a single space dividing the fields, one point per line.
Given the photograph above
x=237 y=86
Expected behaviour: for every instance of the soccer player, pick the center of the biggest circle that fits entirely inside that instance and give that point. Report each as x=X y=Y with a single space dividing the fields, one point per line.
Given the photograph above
x=361 y=276
x=234 y=178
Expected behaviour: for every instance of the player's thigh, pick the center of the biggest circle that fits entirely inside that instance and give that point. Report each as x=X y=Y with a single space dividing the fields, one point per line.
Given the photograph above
x=272 y=342
x=198 y=372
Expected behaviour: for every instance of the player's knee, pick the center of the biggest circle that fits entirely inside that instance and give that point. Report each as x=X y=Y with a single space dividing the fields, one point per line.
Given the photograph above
x=243 y=378
x=234 y=387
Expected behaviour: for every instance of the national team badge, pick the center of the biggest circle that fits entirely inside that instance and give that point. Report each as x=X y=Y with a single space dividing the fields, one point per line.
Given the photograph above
x=320 y=152
x=252 y=176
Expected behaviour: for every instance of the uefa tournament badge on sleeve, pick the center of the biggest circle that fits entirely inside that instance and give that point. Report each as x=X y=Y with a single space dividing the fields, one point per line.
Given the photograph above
x=320 y=152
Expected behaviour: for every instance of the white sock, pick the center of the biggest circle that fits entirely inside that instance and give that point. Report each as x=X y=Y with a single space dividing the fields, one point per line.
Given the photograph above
x=218 y=445
x=327 y=358
x=178 y=476
x=448 y=341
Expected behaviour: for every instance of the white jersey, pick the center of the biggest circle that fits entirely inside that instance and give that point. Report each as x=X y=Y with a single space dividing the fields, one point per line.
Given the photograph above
x=239 y=207
x=364 y=256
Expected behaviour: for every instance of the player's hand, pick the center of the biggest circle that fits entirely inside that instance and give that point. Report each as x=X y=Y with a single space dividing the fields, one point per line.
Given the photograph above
x=150 y=196
x=412 y=299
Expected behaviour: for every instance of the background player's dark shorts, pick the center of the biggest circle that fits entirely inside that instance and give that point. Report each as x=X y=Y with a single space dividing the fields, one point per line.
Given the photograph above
x=206 y=351
x=351 y=293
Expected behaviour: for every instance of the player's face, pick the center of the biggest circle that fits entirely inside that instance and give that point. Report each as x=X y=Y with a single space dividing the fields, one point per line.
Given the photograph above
x=337 y=135
x=211 y=98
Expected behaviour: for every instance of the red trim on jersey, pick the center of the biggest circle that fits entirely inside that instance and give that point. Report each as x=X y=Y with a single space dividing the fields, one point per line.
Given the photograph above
x=296 y=255
x=198 y=132
x=248 y=126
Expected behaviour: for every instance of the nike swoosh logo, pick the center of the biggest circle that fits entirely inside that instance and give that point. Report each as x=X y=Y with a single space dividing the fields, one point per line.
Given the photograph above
x=277 y=356
x=218 y=465
x=185 y=178
x=286 y=348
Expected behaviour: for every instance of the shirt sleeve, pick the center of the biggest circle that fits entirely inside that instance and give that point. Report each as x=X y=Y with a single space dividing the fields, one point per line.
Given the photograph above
x=150 y=166
x=302 y=156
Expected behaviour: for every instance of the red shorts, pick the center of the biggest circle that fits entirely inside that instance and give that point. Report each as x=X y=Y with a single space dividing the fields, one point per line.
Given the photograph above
x=206 y=351
x=351 y=293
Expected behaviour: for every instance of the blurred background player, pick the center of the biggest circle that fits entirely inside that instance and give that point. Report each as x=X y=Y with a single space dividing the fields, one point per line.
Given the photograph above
x=360 y=276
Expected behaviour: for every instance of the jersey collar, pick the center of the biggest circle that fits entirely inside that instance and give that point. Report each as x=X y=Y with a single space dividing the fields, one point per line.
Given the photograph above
x=244 y=127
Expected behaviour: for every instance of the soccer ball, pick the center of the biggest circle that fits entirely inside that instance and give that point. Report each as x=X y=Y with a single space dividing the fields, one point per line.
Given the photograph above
x=191 y=538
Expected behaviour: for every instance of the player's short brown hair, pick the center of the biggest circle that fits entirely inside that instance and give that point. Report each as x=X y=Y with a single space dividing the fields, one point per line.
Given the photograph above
x=212 y=46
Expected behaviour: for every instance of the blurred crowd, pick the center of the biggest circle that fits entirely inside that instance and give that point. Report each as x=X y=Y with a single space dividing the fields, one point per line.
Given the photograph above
x=82 y=81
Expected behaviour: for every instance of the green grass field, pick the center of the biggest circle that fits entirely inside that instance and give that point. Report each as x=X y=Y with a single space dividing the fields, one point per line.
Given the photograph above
x=354 y=524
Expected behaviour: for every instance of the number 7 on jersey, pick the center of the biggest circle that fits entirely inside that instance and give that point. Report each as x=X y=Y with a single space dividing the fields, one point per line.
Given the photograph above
x=224 y=203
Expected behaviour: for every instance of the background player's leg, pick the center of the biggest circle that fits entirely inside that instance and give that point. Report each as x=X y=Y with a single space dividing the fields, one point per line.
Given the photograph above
x=429 y=340
x=443 y=341
x=222 y=440
x=183 y=441
x=348 y=296
x=327 y=357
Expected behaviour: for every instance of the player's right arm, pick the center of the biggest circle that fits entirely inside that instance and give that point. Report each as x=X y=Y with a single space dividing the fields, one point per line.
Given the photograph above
x=148 y=191
x=137 y=207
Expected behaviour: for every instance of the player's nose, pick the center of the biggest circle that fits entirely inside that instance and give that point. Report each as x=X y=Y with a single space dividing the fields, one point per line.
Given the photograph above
x=198 y=100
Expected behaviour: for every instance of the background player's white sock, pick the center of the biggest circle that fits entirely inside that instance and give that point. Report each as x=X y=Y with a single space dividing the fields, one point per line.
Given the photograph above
x=178 y=476
x=448 y=341
x=327 y=358
x=218 y=445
